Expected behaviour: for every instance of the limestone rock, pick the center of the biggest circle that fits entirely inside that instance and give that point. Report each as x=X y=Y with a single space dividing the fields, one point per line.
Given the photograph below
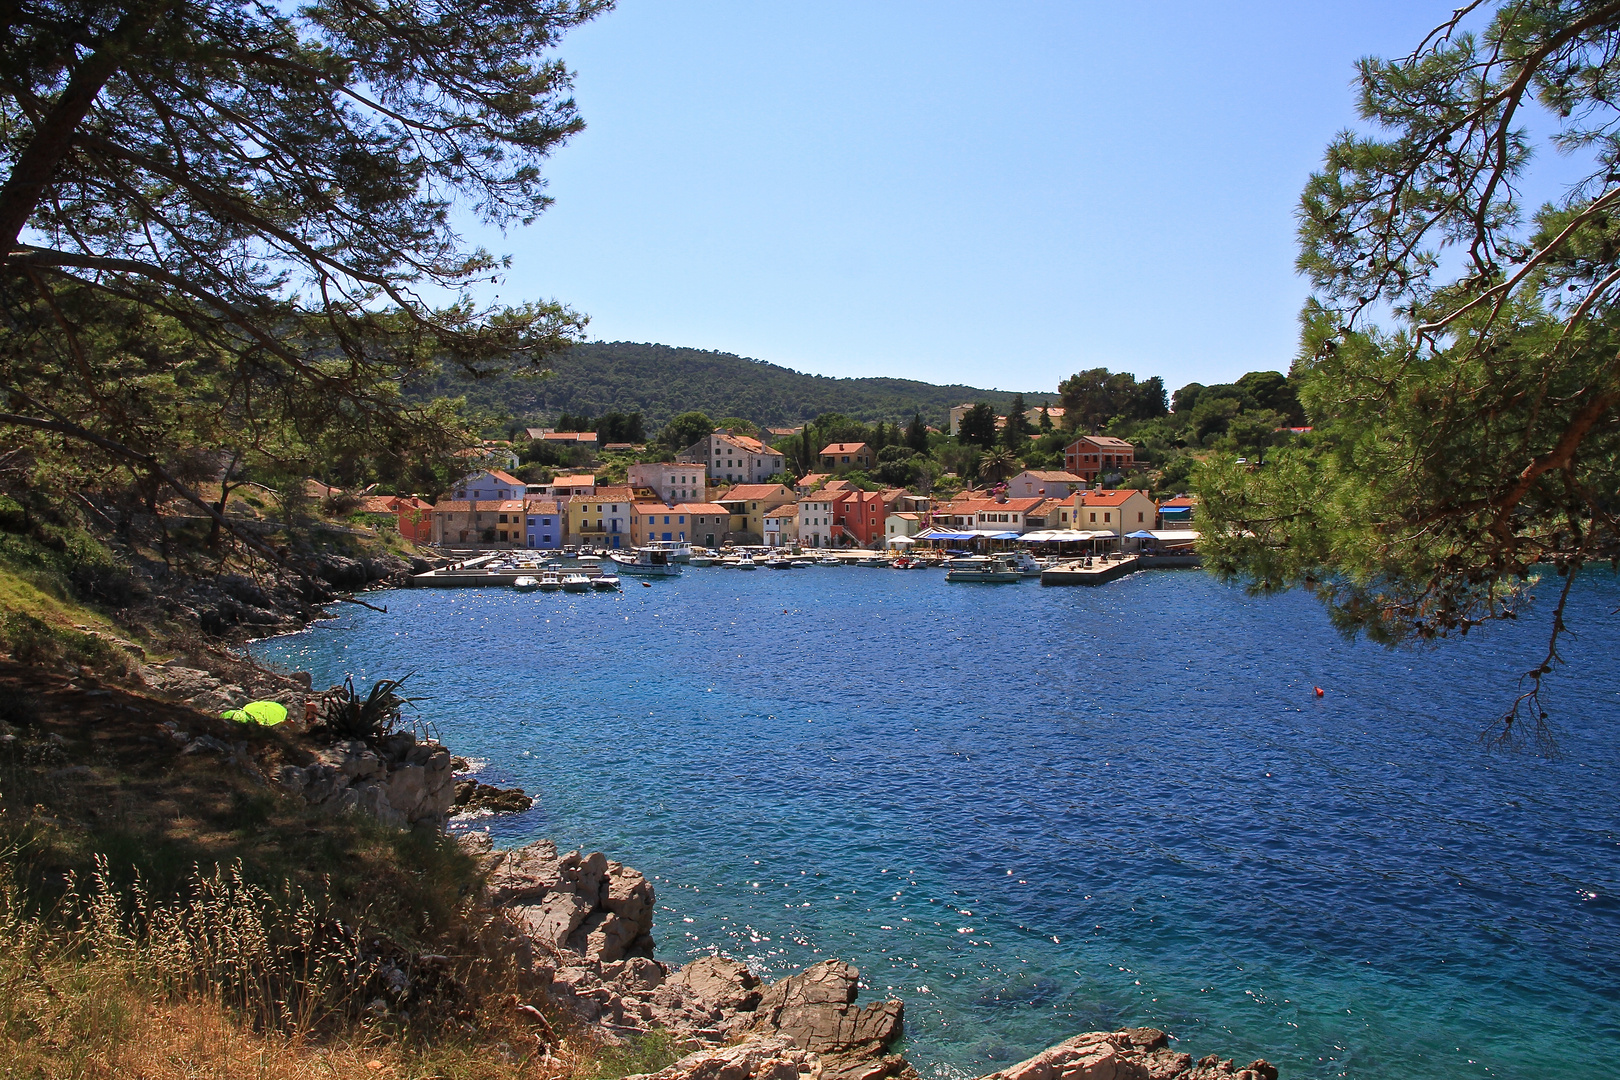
x=817 y=1009
x=761 y=1057
x=553 y=921
x=721 y=981
x=1131 y=1054
x=1092 y=1056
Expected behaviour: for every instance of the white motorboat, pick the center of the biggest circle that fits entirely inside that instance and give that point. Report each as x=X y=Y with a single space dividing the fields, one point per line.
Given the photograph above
x=829 y=560
x=526 y=584
x=605 y=582
x=700 y=560
x=679 y=550
x=996 y=570
x=800 y=564
x=550 y=581
x=575 y=583
x=747 y=563
x=646 y=562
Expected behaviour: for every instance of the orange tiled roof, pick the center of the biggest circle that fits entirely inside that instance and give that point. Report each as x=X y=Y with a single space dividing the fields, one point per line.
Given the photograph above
x=1106 y=498
x=844 y=448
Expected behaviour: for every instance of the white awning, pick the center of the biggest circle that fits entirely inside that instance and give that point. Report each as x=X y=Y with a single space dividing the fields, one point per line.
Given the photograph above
x=1171 y=536
x=900 y=541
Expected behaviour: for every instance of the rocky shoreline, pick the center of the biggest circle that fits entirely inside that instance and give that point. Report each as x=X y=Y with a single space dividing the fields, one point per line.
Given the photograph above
x=583 y=926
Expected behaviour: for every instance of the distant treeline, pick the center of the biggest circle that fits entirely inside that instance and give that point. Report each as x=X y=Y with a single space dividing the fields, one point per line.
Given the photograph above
x=661 y=382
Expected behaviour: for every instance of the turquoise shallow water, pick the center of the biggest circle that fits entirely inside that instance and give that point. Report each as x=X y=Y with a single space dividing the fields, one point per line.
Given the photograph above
x=1030 y=812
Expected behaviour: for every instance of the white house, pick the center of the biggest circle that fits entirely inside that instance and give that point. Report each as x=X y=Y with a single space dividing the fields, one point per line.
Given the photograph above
x=737 y=458
x=672 y=481
x=903 y=523
x=1053 y=483
x=782 y=526
x=816 y=519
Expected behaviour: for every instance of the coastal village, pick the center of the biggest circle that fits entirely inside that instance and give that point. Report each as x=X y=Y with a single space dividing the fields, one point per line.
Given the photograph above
x=731 y=490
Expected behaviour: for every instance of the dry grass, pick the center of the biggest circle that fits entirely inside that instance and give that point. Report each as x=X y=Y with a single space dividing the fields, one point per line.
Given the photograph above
x=167 y=916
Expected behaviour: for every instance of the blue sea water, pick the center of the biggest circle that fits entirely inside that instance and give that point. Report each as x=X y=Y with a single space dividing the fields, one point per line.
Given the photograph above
x=1030 y=812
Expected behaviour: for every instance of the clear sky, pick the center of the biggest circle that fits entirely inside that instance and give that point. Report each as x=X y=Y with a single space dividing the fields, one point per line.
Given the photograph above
x=993 y=193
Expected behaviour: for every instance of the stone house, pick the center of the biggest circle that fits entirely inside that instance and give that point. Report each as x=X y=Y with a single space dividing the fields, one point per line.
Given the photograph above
x=1091 y=456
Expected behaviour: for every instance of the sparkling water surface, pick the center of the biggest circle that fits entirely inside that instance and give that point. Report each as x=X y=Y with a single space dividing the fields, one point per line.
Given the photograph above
x=1030 y=812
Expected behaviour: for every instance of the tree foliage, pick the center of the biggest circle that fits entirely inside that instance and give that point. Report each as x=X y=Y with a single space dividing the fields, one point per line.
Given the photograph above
x=224 y=222
x=1459 y=355
x=1092 y=398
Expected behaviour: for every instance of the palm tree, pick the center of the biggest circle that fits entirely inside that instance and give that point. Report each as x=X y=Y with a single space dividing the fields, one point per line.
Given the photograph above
x=997 y=464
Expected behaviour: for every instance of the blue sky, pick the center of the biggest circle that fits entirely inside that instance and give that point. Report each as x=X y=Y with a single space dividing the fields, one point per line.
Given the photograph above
x=998 y=194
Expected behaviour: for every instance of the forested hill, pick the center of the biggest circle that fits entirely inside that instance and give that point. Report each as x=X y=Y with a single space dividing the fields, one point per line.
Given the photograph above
x=660 y=381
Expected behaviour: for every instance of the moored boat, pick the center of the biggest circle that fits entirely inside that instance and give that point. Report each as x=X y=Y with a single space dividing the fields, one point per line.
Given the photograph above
x=746 y=562
x=829 y=560
x=575 y=583
x=646 y=562
x=550 y=581
x=526 y=584
x=605 y=582
x=997 y=570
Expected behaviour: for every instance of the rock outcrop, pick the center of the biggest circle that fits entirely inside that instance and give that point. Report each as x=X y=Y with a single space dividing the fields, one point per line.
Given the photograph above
x=584 y=924
x=399 y=781
x=1131 y=1054
x=762 y=1057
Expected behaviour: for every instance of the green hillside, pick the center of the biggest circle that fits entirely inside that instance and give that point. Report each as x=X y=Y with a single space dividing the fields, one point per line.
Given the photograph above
x=660 y=381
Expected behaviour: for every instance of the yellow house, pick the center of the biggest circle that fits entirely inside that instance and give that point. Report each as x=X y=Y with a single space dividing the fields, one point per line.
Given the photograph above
x=601 y=519
x=749 y=503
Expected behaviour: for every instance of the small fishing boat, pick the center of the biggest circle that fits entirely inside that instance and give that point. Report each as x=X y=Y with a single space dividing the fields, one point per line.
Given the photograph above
x=747 y=563
x=872 y=560
x=526 y=584
x=575 y=583
x=829 y=560
x=700 y=560
x=605 y=582
x=996 y=570
x=589 y=560
x=779 y=564
x=550 y=581
x=800 y=564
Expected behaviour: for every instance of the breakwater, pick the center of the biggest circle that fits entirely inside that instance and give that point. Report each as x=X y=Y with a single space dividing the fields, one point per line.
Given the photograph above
x=1030 y=812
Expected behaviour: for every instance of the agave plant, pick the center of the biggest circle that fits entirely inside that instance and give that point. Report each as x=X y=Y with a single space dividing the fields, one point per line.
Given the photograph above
x=345 y=714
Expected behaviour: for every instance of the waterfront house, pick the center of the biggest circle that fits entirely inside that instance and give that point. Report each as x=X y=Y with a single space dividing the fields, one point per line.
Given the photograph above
x=782 y=526
x=858 y=517
x=708 y=523
x=749 y=503
x=735 y=458
x=487 y=485
x=487 y=523
x=414 y=519
x=903 y=523
x=704 y=524
x=1052 y=483
x=844 y=456
x=1004 y=515
x=1091 y=456
x=1119 y=512
x=816 y=519
x=543 y=523
x=671 y=481
x=600 y=519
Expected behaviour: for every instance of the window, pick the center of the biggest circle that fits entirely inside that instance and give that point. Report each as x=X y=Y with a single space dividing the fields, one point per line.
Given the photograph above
x=1139 y=515
x=1108 y=517
x=1094 y=515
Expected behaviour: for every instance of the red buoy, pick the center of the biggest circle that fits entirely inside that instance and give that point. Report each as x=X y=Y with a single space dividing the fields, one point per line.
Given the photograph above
x=1320 y=692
